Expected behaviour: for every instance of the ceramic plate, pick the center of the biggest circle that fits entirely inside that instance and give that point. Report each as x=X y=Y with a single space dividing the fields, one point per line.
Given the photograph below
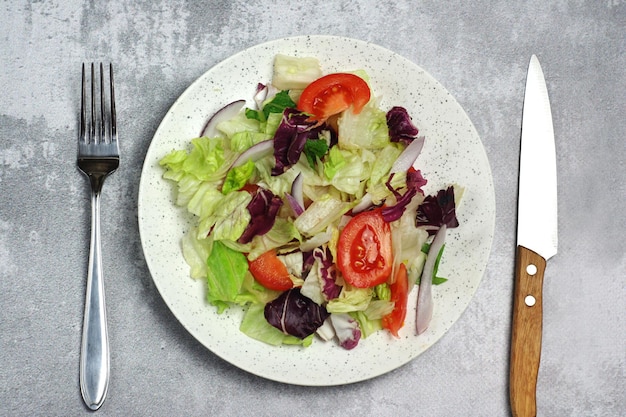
x=452 y=153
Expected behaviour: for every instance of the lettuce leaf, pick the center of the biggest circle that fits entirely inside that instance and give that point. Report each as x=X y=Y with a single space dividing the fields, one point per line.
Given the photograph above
x=279 y=235
x=368 y=326
x=315 y=149
x=237 y=177
x=228 y=217
x=320 y=214
x=226 y=271
x=295 y=72
x=348 y=171
x=366 y=130
x=239 y=124
x=350 y=299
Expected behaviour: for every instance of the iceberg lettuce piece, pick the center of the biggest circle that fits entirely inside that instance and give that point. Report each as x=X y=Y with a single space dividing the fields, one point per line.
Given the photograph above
x=204 y=199
x=196 y=252
x=282 y=233
x=377 y=309
x=207 y=160
x=279 y=184
x=198 y=170
x=229 y=217
x=350 y=299
x=366 y=130
x=295 y=72
x=348 y=170
x=382 y=164
x=242 y=141
x=271 y=124
x=238 y=124
x=320 y=214
x=368 y=326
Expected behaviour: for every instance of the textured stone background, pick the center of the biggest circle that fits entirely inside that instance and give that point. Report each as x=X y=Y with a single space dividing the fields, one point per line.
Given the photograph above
x=478 y=50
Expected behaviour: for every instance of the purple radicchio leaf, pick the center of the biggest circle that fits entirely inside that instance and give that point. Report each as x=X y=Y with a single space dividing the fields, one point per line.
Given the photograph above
x=414 y=183
x=347 y=330
x=327 y=273
x=307 y=263
x=437 y=210
x=290 y=137
x=263 y=209
x=401 y=128
x=294 y=314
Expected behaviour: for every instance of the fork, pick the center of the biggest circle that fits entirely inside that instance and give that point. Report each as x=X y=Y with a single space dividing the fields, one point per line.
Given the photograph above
x=98 y=157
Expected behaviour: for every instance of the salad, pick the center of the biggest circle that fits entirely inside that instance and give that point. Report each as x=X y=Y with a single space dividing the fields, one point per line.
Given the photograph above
x=309 y=210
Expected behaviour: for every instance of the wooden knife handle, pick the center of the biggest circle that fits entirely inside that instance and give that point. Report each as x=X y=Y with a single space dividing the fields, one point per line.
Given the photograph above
x=526 y=332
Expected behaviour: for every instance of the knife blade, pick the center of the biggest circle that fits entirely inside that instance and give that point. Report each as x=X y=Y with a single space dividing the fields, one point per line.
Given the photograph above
x=537 y=239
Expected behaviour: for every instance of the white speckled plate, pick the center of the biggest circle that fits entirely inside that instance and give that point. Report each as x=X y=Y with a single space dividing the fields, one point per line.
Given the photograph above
x=453 y=153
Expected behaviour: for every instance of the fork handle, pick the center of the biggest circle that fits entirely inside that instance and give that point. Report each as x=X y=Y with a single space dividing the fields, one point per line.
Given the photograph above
x=94 y=355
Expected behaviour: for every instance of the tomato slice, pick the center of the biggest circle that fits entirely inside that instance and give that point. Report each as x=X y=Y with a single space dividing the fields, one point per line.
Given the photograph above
x=364 y=250
x=399 y=295
x=334 y=93
x=270 y=272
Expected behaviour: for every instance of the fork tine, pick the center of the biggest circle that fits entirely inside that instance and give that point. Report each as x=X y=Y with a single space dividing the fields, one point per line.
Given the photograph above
x=113 y=113
x=83 y=110
x=103 y=123
x=98 y=121
x=92 y=129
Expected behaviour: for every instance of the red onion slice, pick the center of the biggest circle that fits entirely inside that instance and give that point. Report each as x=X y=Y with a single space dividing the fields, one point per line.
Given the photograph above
x=365 y=203
x=424 y=311
x=296 y=190
x=260 y=95
x=225 y=113
x=408 y=156
x=293 y=203
x=255 y=152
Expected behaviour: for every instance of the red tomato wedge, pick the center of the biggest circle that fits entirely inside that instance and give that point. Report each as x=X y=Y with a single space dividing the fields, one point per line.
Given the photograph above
x=270 y=272
x=364 y=250
x=399 y=295
x=334 y=93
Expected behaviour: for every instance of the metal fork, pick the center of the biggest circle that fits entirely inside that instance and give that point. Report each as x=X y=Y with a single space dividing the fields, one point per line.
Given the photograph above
x=98 y=157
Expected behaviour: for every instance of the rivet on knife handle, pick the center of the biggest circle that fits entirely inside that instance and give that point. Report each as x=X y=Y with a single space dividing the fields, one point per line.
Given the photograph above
x=526 y=332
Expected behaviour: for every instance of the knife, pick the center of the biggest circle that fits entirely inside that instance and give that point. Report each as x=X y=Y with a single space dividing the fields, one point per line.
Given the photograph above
x=536 y=240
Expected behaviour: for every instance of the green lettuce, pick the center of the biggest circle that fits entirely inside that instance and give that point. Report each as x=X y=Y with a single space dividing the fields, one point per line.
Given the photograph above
x=226 y=271
x=196 y=251
x=239 y=123
x=237 y=177
x=228 y=218
x=350 y=299
x=366 y=130
x=241 y=141
x=283 y=232
x=368 y=326
x=381 y=166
